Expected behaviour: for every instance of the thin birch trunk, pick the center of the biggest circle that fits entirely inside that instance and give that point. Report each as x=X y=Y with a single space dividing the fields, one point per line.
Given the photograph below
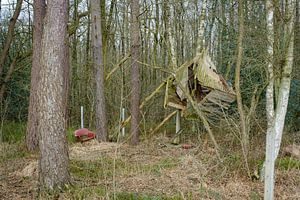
x=269 y=163
x=284 y=88
x=276 y=117
x=201 y=29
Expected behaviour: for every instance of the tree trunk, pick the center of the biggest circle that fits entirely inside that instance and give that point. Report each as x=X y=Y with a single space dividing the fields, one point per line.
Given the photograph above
x=54 y=158
x=32 y=123
x=270 y=137
x=101 y=122
x=135 y=82
x=284 y=88
x=7 y=78
x=201 y=29
x=244 y=132
x=276 y=117
x=10 y=35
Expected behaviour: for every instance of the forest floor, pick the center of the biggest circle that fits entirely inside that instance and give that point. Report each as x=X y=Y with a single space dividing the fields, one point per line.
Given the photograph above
x=155 y=169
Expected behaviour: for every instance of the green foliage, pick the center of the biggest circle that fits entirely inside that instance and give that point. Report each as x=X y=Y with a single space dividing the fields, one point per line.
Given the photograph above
x=13 y=132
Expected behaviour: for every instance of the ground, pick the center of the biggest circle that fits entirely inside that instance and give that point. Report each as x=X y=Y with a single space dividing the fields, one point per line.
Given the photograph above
x=152 y=170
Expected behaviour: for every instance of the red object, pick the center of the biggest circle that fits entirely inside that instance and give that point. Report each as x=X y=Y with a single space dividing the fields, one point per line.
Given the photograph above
x=187 y=146
x=84 y=134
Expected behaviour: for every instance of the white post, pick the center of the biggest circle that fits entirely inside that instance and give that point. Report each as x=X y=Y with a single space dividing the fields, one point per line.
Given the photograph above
x=123 y=118
x=177 y=121
x=81 y=114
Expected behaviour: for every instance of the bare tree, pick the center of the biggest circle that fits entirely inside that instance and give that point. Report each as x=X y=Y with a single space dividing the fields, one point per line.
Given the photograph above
x=54 y=159
x=32 y=124
x=10 y=35
x=135 y=80
x=242 y=115
x=276 y=113
x=97 y=50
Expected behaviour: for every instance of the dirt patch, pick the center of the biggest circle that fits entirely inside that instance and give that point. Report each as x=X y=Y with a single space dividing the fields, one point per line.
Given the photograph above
x=92 y=150
x=31 y=170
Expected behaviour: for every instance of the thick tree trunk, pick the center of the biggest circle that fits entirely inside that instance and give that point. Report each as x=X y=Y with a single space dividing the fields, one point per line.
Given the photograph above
x=32 y=123
x=135 y=80
x=10 y=35
x=101 y=122
x=54 y=159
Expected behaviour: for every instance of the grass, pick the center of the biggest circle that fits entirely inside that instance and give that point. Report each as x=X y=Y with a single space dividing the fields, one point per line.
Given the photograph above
x=98 y=172
x=288 y=163
x=103 y=168
x=13 y=132
x=134 y=196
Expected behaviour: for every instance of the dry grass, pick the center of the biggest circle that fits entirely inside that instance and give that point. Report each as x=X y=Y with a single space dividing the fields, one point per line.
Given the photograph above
x=152 y=170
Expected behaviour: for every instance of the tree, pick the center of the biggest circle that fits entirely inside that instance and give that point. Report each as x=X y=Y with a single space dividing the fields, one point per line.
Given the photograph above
x=276 y=111
x=243 y=125
x=97 y=51
x=10 y=35
x=135 y=80
x=54 y=159
x=32 y=123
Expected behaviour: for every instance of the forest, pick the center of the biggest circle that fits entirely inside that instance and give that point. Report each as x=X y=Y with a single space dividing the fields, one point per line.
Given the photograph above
x=150 y=99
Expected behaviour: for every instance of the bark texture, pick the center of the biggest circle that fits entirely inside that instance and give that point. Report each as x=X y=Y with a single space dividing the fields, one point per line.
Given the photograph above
x=135 y=80
x=32 y=124
x=97 y=51
x=54 y=159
